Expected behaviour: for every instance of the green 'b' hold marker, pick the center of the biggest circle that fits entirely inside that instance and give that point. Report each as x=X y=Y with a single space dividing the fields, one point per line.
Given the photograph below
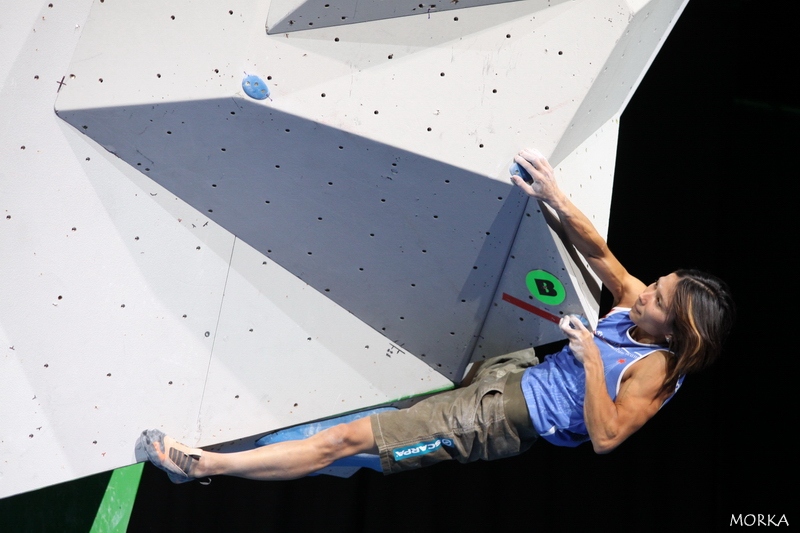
x=545 y=287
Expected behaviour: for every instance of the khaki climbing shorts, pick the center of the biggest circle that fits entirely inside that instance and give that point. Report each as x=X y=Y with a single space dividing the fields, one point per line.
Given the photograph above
x=486 y=420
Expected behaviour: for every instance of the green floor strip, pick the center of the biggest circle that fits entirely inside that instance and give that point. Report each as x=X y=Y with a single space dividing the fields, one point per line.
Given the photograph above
x=115 y=509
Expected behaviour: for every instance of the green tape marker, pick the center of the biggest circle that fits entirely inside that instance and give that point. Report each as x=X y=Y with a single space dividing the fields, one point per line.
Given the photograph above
x=115 y=510
x=545 y=287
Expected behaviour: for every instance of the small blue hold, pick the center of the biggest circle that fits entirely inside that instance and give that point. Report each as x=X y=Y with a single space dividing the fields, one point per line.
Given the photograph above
x=516 y=170
x=584 y=321
x=255 y=87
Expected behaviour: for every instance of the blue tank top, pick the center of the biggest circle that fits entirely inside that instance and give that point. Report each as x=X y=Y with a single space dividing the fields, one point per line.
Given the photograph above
x=555 y=389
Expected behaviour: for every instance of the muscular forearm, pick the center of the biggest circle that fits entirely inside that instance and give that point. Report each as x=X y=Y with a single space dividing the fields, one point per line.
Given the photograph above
x=578 y=228
x=599 y=411
x=609 y=422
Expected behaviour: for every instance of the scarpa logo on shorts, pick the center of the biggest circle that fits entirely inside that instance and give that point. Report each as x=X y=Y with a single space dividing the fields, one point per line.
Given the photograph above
x=420 y=448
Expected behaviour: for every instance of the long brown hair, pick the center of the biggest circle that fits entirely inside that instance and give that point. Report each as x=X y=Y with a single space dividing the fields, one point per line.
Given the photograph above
x=703 y=312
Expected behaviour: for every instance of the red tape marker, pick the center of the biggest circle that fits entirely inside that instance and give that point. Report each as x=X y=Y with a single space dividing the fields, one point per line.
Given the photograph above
x=531 y=309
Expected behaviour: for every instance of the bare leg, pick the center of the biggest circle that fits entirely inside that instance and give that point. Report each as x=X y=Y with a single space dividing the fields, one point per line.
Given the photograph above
x=291 y=459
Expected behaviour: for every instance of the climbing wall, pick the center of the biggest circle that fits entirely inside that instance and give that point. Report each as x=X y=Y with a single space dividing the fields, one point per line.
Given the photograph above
x=254 y=214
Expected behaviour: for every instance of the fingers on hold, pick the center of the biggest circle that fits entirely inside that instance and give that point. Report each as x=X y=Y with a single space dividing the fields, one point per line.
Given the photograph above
x=527 y=164
x=531 y=155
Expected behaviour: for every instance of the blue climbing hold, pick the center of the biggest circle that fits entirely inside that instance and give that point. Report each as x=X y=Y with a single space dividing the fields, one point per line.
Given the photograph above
x=255 y=87
x=584 y=321
x=516 y=170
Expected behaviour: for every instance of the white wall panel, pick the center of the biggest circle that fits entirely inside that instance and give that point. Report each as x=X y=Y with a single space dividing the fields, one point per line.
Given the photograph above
x=112 y=291
x=284 y=352
x=96 y=278
x=380 y=159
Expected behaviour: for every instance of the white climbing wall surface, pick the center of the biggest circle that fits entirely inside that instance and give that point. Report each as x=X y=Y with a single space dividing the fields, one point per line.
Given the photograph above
x=249 y=214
